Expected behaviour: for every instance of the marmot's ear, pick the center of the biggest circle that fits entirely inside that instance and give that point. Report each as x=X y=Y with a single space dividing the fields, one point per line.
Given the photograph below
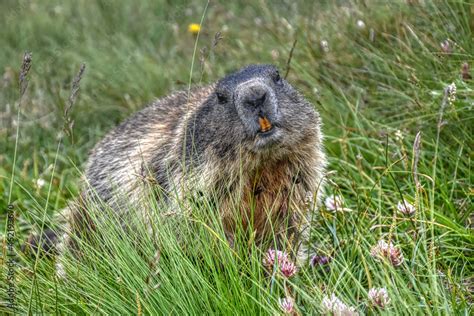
x=276 y=77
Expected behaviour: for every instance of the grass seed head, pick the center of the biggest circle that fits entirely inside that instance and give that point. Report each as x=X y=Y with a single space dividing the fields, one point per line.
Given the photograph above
x=25 y=68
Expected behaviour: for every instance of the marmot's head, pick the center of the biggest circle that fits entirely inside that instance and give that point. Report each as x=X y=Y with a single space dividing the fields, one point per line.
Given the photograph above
x=271 y=112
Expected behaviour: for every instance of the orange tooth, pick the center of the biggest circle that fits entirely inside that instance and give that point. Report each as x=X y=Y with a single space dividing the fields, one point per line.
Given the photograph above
x=265 y=124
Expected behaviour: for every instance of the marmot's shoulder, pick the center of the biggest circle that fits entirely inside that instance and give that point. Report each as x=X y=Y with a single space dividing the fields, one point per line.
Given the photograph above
x=164 y=110
x=156 y=124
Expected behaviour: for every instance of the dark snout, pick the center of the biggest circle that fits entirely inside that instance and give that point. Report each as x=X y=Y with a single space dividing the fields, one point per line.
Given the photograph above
x=258 y=106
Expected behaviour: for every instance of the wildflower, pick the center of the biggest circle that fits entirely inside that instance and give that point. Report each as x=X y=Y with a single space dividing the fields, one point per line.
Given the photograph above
x=360 y=24
x=399 y=135
x=446 y=46
x=286 y=266
x=318 y=260
x=324 y=46
x=40 y=183
x=465 y=73
x=406 y=208
x=194 y=28
x=316 y=92
x=384 y=250
x=272 y=255
x=275 y=54
x=451 y=91
x=334 y=306
x=379 y=297
x=287 y=305
x=334 y=203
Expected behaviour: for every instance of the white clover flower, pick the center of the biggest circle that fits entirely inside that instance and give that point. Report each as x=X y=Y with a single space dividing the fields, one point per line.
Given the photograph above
x=334 y=203
x=287 y=305
x=40 y=183
x=379 y=297
x=285 y=265
x=451 y=91
x=384 y=250
x=446 y=46
x=273 y=256
x=406 y=208
x=334 y=306
x=399 y=135
x=360 y=24
x=288 y=268
x=324 y=46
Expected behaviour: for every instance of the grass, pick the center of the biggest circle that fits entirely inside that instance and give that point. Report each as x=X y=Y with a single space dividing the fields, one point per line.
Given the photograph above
x=376 y=86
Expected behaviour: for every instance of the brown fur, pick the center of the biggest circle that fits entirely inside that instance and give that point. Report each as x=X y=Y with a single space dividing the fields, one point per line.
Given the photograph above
x=251 y=140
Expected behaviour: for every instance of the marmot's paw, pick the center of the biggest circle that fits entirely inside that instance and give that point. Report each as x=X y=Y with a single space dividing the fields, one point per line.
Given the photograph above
x=46 y=244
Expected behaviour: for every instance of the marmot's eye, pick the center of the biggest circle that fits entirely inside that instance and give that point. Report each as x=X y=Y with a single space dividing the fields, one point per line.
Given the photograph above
x=221 y=97
x=277 y=78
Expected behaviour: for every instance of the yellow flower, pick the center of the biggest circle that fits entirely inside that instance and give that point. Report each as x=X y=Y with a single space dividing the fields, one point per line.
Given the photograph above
x=194 y=28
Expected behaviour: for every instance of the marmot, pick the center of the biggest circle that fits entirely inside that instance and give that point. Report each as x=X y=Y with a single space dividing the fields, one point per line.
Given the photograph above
x=250 y=135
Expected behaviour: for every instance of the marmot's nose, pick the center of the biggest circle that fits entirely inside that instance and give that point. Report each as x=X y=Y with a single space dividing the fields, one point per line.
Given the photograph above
x=256 y=97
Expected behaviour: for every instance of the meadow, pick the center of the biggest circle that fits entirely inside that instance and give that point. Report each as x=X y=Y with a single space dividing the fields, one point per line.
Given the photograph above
x=392 y=81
